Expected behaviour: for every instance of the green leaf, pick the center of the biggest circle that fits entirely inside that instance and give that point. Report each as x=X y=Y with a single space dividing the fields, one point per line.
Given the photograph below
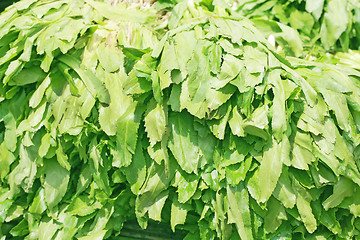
x=6 y=159
x=62 y=158
x=230 y=68
x=238 y=212
x=199 y=74
x=236 y=123
x=303 y=200
x=21 y=229
x=155 y=209
x=155 y=122
x=218 y=127
x=274 y=216
x=39 y=93
x=153 y=192
x=81 y=206
x=338 y=103
x=111 y=58
x=5 y=204
x=24 y=174
x=279 y=119
x=315 y=7
x=27 y=76
x=344 y=188
x=284 y=191
x=93 y=84
x=120 y=13
x=186 y=185
x=183 y=141
x=236 y=173
x=45 y=144
x=176 y=14
x=120 y=103
x=136 y=171
x=302 y=21
x=334 y=23
x=185 y=44
x=126 y=136
x=38 y=205
x=263 y=182
x=47 y=229
x=56 y=182
x=178 y=214
x=10 y=131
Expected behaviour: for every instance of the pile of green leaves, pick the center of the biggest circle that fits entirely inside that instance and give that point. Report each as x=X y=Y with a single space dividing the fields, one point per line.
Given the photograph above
x=312 y=27
x=330 y=24
x=63 y=65
x=211 y=129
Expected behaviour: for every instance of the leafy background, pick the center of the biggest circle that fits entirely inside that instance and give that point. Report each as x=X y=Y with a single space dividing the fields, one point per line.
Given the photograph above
x=222 y=119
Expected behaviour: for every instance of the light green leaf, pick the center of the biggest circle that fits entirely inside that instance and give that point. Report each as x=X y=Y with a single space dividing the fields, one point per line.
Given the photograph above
x=186 y=185
x=92 y=83
x=315 y=7
x=290 y=38
x=236 y=173
x=10 y=131
x=70 y=226
x=155 y=122
x=38 y=205
x=183 y=141
x=230 y=68
x=334 y=23
x=126 y=136
x=136 y=171
x=338 y=103
x=199 y=74
x=303 y=200
x=62 y=158
x=121 y=13
x=176 y=14
x=45 y=144
x=47 y=229
x=274 y=216
x=263 y=182
x=6 y=159
x=185 y=44
x=82 y=206
x=213 y=100
x=236 y=123
x=218 y=127
x=119 y=102
x=27 y=76
x=342 y=189
x=284 y=191
x=39 y=93
x=255 y=61
x=95 y=236
x=302 y=21
x=155 y=209
x=238 y=212
x=279 y=119
x=178 y=214
x=152 y=192
x=24 y=174
x=14 y=68
x=111 y=58
x=56 y=182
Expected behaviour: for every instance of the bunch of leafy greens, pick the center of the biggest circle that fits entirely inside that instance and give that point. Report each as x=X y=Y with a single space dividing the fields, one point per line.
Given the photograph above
x=322 y=25
x=210 y=129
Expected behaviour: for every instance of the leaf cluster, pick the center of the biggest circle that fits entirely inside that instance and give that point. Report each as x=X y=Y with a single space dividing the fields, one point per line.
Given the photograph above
x=108 y=114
